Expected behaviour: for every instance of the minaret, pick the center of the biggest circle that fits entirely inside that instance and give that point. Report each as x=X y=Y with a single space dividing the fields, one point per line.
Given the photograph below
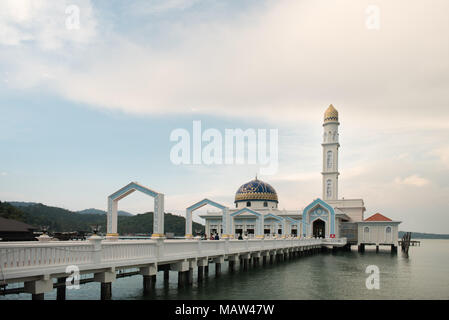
x=330 y=154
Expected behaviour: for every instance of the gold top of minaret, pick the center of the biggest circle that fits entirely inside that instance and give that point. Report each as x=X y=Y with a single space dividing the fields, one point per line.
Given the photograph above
x=331 y=114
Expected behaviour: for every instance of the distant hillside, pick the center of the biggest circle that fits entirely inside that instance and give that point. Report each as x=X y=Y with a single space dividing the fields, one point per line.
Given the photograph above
x=21 y=203
x=98 y=211
x=60 y=220
x=419 y=235
x=8 y=211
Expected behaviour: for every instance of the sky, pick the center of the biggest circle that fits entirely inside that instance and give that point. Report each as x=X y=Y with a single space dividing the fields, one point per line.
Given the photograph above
x=90 y=92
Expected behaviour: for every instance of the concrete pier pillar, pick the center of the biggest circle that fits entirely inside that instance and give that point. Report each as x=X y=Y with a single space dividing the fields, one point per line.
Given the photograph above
x=149 y=282
x=234 y=263
x=255 y=261
x=394 y=249
x=200 y=273
x=106 y=290
x=149 y=277
x=264 y=260
x=217 y=269
x=182 y=278
x=245 y=264
x=202 y=264
x=183 y=269
x=237 y=264
x=272 y=257
x=106 y=278
x=61 y=290
x=231 y=266
x=361 y=248
x=280 y=257
x=377 y=249
x=190 y=276
x=218 y=262
x=37 y=296
x=206 y=271
x=166 y=275
x=38 y=288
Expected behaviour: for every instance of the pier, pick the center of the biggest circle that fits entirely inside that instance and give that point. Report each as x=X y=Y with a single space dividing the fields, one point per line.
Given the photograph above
x=43 y=266
x=412 y=243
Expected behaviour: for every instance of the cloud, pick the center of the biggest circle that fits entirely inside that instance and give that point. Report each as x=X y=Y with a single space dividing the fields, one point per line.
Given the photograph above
x=294 y=56
x=3 y=173
x=161 y=6
x=413 y=180
x=443 y=154
x=301 y=176
x=43 y=23
x=280 y=61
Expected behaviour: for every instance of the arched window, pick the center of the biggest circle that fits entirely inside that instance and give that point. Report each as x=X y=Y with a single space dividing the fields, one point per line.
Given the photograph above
x=330 y=136
x=329 y=159
x=388 y=234
x=366 y=234
x=248 y=204
x=325 y=137
x=265 y=204
x=329 y=188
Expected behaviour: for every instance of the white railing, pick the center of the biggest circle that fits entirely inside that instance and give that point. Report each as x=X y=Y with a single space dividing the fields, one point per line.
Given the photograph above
x=334 y=241
x=36 y=254
x=26 y=259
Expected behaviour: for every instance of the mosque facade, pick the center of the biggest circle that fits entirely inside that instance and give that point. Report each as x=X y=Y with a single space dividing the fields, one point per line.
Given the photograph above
x=257 y=215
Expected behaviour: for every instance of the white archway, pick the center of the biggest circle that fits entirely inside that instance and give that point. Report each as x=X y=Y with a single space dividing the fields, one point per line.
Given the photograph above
x=158 y=216
x=259 y=220
x=202 y=203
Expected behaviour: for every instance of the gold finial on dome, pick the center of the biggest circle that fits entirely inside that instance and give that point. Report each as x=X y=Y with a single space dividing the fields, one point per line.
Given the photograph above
x=331 y=114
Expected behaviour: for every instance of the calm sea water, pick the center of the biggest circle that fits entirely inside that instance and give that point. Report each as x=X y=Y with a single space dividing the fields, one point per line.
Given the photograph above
x=423 y=275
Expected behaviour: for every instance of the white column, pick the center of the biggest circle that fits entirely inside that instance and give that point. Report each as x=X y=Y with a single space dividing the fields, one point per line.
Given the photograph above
x=259 y=226
x=226 y=223
x=158 y=217
x=189 y=224
x=112 y=219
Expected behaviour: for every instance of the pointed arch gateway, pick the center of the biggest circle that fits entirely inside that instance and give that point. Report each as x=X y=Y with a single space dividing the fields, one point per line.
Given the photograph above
x=318 y=210
x=202 y=203
x=158 y=216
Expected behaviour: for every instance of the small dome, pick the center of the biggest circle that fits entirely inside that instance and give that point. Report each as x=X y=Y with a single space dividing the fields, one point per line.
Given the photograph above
x=256 y=190
x=331 y=114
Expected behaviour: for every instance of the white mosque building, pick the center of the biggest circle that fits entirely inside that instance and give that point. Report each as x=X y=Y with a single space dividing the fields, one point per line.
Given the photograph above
x=256 y=212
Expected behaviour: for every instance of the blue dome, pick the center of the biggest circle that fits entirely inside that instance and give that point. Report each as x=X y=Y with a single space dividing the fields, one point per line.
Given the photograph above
x=256 y=190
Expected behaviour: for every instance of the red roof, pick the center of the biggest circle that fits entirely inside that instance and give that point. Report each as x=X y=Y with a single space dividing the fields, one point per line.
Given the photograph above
x=378 y=217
